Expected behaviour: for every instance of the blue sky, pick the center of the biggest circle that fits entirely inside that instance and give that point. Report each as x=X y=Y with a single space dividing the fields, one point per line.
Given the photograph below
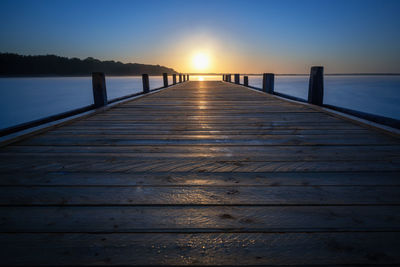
x=238 y=36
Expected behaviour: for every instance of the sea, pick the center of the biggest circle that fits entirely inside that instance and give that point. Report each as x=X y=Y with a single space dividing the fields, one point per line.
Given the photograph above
x=28 y=99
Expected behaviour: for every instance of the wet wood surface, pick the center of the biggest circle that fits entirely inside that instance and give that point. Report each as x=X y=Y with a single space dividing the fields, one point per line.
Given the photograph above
x=202 y=173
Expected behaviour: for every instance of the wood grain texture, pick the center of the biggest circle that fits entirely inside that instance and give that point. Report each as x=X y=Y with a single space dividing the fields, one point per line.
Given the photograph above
x=202 y=173
x=201 y=249
x=189 y=219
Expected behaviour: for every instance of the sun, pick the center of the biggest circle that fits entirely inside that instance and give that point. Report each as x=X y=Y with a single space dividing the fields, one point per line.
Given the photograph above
x=201 y=61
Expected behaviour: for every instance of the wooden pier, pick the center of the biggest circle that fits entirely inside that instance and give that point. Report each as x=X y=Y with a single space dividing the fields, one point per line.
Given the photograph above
x=202 y=173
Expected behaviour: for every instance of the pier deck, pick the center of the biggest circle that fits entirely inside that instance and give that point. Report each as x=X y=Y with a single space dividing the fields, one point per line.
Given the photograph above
x=202 y=173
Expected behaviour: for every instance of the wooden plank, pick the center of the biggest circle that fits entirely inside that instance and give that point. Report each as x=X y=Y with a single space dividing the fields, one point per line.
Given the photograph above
x=123 y=140
x=182 y=179
x=210 y=118
x=201 y=249
x=130 y=131
x=221 y=109
x=303 y=153
x=272 y=154
x=198 y=195
x=115 y=164
x=222 y=123
x=210 y=126
x=185 y=219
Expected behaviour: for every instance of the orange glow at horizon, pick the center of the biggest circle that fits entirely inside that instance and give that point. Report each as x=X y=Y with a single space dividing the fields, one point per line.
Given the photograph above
x=205 y=52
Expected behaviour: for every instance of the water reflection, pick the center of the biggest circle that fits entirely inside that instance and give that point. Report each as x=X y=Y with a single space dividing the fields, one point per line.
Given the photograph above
x=205 y=77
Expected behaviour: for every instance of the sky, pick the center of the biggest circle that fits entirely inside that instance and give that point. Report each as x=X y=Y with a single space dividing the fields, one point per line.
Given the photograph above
x=351 y=36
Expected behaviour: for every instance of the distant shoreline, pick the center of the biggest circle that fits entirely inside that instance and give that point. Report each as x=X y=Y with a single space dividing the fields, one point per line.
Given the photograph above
x=66 y=76
x=14 y=65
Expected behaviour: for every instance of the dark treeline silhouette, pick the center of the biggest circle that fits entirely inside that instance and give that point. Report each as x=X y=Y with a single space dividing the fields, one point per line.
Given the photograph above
x=19 y=65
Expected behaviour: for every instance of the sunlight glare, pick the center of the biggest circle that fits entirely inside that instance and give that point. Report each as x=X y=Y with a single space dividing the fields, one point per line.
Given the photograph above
x=201 y=61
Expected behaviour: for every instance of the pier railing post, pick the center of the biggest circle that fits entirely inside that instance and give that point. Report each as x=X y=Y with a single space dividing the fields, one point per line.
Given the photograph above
x=99 y=89
x=165 y=79
x=146 y=84
x=237 y=78
x=180 y=78
x=268 y=82
x=246 y=80
x=316 y=86
x=173 y=78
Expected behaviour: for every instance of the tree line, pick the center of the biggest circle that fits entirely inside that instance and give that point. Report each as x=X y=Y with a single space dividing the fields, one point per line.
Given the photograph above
x=20 y=65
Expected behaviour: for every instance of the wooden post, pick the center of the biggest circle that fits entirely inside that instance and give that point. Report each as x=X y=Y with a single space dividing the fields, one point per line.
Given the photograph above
x=165 y=79
x=316 y=86
x=237 y=78
x=268 y=82
x=173 y=78
x=146 y=84
x=184 y=77
x=187 y=77
x=246 y=80
x=180 y=78
x=229 y=78
x=223 y=77
x=99 y=89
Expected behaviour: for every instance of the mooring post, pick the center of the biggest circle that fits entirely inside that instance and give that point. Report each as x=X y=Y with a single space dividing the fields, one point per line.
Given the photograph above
x=173 y=78
x=237 y=78
x=268 y=82
x=180 y=78
x=165 y=79
x=316 y=86
x=146 y=84
x=99 y=89
x=246 y=80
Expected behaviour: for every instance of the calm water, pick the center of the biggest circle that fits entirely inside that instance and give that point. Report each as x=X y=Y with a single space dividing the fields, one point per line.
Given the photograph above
x=27 y=99
x=378 y=95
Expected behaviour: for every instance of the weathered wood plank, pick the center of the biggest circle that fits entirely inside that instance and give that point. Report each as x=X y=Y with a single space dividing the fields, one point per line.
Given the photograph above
x=115 y=164
x=172 y=195
x=38 y=178
x=199 y=219
x=124 y=140
x=238 y=153
x=127 y=131
x=239 y=126
x=201 y=249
